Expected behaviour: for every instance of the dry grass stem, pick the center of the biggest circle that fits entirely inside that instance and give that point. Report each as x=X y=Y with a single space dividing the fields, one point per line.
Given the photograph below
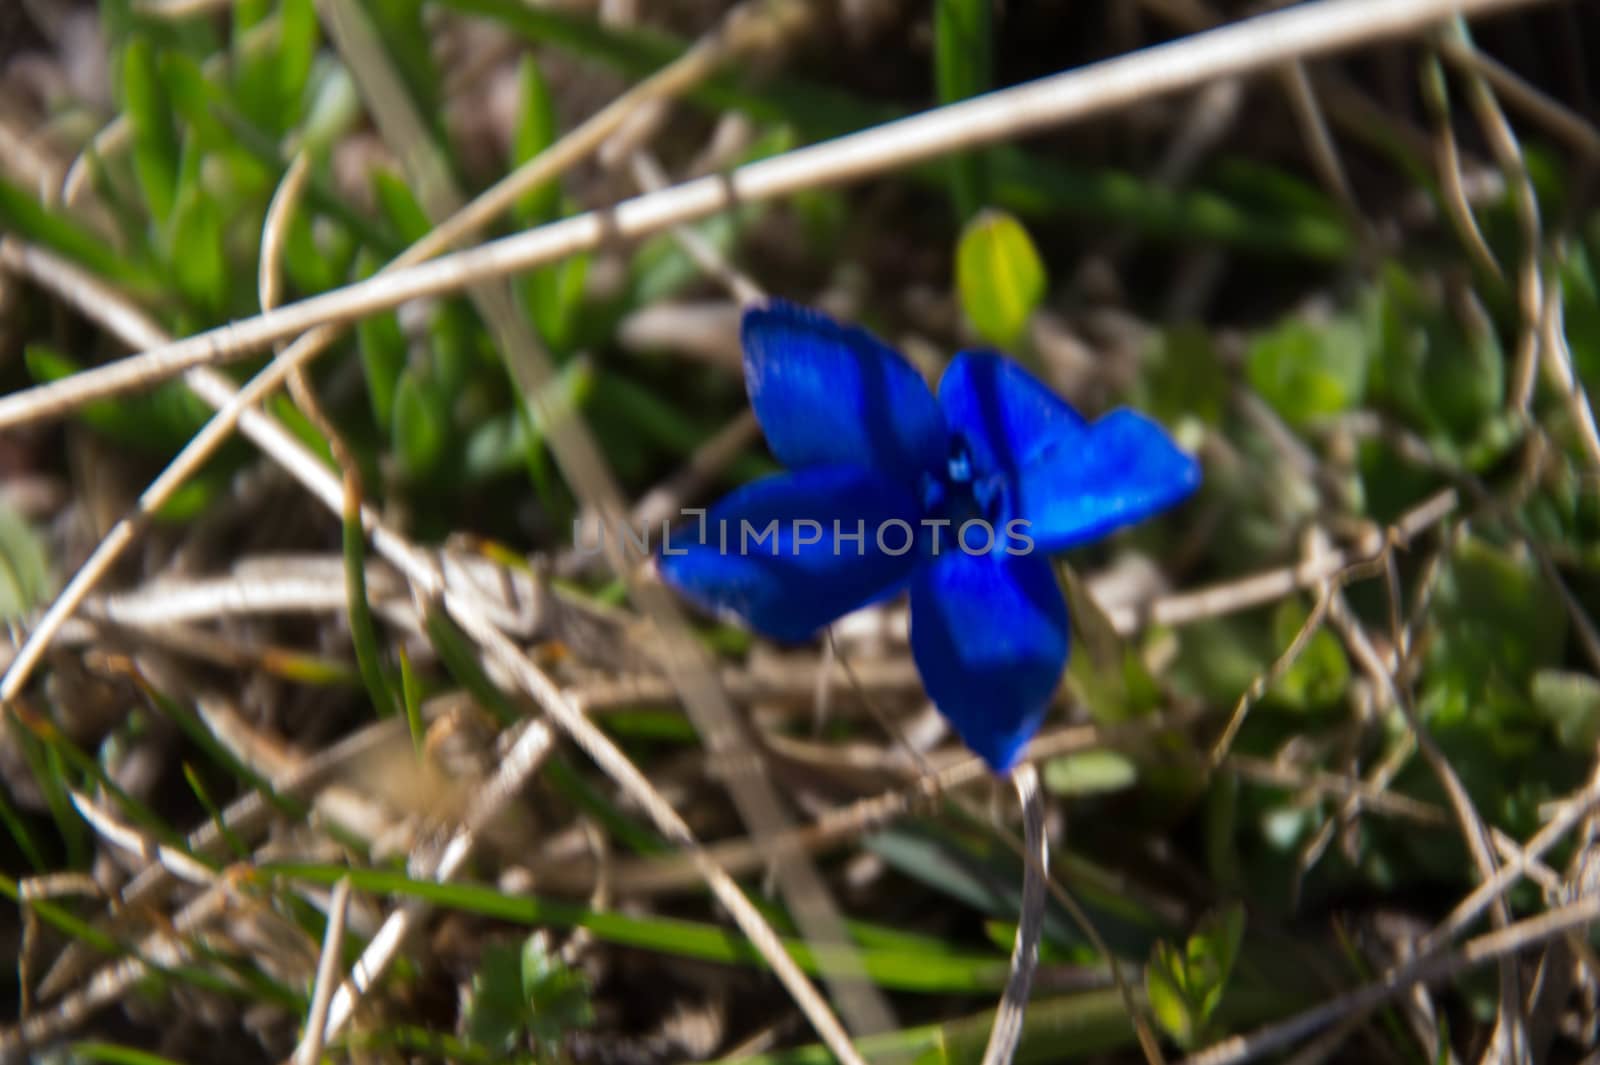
x=1007 y=1030
x=309 y=1052
x=1296 y=33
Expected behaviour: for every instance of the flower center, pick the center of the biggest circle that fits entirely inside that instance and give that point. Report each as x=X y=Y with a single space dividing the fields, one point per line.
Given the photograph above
x=964 y=494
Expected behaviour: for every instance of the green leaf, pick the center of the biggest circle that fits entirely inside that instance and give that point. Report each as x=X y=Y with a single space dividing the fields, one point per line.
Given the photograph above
x=555 y=300
x=155 y=138
x=400 y=206
x=314 y=266
x=1090 y=773
x=299 y=34
x=557 y=995
x=1309 y=370
x=272 y=57
x=382 y=347
x=1320 y=675
x=496 y=1009
x=193 y=96
x=1580 y=291
x=1441 y=368
x=963 y=58
x=1571 y=702
x=1211 y=953
x=25 y=578
x=459 y=347
x=26 y=217
x=500 y=445
x=999 y=275
x=1169 y=1001
x=534 y=132
x=363 y=632
x=1218 y=658
x=159 y=421
x=199 y=259
x=1186 y=988
x=421 y=429
x=333 y=109
x=198 y=495
x=248 y=14
x=1089 y=1026
x=1107 y=674
x=1497 y=620
x=1183 y=377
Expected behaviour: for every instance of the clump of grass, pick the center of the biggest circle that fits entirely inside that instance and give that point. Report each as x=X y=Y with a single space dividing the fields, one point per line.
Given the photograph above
x=1357 y=674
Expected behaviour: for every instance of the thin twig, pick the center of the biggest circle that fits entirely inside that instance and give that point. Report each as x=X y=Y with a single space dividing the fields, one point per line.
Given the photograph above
x=1530 y=278
x=1559 y=367
x=1539 y=106
x=1447 y=160
x=1263 y=682
x=1473 y=829
x=1272 y=585
x=1319 y=139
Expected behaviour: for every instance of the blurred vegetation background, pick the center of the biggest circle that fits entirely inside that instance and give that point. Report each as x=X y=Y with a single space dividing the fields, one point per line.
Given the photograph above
x=1364 y=290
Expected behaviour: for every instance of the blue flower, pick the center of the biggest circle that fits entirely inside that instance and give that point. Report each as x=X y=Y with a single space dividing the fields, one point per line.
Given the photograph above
x=960 y=498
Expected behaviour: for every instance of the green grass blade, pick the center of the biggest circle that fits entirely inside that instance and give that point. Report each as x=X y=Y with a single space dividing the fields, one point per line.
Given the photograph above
x=31 y=220
x=196 y=785
x=363 y=632
x=411 y=698
x=963 y=58
x=917 y=971
x=155 y=136
x=116 y=1054
x=18 y=828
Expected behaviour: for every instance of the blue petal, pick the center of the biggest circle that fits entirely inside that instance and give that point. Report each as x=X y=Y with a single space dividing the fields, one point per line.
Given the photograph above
x=1072 y=481
x=1002 y=411
x=779 y=586
x=1124 y=469
x=989 y=633
x=827 y=394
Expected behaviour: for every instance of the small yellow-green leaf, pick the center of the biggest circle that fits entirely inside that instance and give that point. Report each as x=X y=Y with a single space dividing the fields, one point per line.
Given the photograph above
x=25 y=578
x=1210 y=954
x=999 y=275
x=1089 y=773
x=1164 y=980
